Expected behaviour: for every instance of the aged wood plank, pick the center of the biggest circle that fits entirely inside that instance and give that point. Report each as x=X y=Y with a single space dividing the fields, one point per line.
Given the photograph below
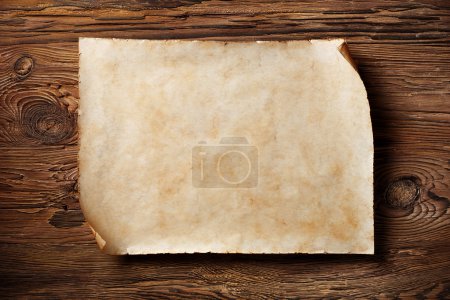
x=402 y=50
x=82 y=270
x=389 y=21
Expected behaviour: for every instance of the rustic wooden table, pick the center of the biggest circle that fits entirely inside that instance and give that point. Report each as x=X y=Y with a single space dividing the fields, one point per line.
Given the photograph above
x=402 y=50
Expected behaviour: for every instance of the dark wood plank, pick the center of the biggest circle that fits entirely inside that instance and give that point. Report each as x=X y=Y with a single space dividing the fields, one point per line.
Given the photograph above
x=403 y=54
x=85 y=272
x=389 y=21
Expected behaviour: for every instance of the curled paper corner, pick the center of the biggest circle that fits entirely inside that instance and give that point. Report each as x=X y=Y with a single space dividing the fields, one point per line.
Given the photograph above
x=103 y=245
x=112 y=249
x=341 y=45
x=100 y=241
x=343 y=48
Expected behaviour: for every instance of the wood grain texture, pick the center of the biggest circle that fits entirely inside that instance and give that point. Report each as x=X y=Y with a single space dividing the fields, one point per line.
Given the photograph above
x=403 y=55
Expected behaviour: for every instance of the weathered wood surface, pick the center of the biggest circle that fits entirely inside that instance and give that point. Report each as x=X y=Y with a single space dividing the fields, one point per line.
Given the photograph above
x=47 y=250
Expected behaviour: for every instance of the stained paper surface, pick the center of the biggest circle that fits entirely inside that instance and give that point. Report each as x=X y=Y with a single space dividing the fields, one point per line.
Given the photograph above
x=237 y=147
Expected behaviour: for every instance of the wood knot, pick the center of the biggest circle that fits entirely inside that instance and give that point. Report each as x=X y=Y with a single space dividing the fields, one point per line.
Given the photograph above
x=48 y=122
x=402 y=193
x=24 y=66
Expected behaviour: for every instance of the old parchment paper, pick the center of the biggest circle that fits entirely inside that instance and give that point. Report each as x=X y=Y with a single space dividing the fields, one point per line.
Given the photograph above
x=201 y=146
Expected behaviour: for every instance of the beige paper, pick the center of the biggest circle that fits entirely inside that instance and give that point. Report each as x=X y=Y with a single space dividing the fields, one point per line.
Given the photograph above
x=237 y=147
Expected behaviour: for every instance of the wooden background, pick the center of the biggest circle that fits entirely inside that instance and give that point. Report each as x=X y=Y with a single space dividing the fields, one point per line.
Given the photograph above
x=46 y=248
